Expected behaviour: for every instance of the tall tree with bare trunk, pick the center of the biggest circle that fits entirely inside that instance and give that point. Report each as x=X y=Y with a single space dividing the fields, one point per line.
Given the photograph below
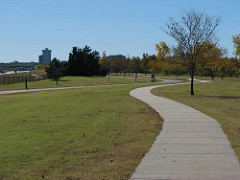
x=193 y=29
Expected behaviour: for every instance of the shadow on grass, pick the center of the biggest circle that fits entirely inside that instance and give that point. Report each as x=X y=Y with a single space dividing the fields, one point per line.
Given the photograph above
x=223 y=97
x=64 y=80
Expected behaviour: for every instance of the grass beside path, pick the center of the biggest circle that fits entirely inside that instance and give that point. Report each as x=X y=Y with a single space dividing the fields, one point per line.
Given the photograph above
x=219 y=99
x=91 y=133
x=70 y=81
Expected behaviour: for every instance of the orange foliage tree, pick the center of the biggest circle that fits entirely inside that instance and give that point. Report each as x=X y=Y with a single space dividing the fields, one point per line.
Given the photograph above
x=163 y=61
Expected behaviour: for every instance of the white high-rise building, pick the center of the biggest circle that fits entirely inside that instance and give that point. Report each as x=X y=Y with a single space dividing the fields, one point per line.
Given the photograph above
x=45 y=57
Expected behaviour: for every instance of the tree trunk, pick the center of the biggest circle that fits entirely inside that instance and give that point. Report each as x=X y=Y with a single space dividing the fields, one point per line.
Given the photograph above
x=108 y=76
x=212 y=74
x=192 y=70
x=26 y=86
x=223 y=74
x=192 y=92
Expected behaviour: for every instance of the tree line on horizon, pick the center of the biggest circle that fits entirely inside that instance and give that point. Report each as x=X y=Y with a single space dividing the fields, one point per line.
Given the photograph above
x=211 y=62
x=197 y=53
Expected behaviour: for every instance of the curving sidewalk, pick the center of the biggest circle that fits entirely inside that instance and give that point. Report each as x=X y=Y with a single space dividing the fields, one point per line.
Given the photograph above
x=190 y=146
x=164 y=81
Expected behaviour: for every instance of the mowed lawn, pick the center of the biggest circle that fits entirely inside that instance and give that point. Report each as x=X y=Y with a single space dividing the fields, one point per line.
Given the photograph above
x=70 y=81
x=91 y=133
x=219 y=99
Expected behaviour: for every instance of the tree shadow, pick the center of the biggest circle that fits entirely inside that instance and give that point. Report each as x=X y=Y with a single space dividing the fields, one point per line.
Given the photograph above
x=64 y=80
x=224 y=97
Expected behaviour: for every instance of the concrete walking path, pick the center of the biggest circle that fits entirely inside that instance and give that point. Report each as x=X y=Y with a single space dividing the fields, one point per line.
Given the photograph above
x=191 y=145
x=79 y=87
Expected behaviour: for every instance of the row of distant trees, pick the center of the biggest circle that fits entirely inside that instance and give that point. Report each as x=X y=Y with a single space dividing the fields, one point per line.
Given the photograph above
x=121 y=64
x=197 y=52
x=211 y=61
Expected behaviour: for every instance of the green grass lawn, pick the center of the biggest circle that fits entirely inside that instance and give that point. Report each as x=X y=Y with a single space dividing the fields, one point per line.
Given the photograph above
x=91 y=133
x=219 y=99
x=69 y=81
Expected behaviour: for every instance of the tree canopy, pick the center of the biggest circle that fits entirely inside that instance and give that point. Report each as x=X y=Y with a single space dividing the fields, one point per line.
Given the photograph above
x=56 y=70
x=193 y=29
x=83 y=62
x=236 y=44
x=145 y=63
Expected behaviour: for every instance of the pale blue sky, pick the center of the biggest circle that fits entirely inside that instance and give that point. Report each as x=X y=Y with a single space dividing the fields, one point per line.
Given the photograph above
x=129 y=27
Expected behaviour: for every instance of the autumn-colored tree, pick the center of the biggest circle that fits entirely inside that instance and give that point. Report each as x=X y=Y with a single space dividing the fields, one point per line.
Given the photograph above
x=117 y=64
x=194 y=28
x=145 y=63
x=179 y=65
x=223 y=62
x=163 y=61
x=232 y=66
x=167 y=65
x=155 y=65
x=236 y=44
x=162 y=49
x=211 y=55
x=104 y=62
x=227 y=66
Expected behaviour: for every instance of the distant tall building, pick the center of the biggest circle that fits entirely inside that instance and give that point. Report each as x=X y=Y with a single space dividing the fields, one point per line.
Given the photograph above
x=45 y=57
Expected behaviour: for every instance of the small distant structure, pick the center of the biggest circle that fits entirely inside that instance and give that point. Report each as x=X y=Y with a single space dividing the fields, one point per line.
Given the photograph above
x=45 y=57
x=119 y=56
x=17 y=66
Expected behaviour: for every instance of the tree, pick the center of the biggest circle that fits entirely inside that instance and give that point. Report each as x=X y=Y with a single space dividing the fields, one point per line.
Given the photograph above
x=163 y=57
x=236 y=44
x=117 y=63
x=127 y=64
x=224 y=66
x=136 y=66
x=162 y=49
x=83 y=62
x=105 y=64
x=193 y=29
x=145 y=63
x=212 y=57
x=232 y=66
x=179 y=66
x=56 y=70
x=155 y=65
